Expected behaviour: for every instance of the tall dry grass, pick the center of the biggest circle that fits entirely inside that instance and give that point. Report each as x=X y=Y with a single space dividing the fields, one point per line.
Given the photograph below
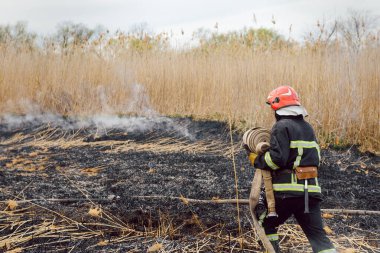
x=340 y=88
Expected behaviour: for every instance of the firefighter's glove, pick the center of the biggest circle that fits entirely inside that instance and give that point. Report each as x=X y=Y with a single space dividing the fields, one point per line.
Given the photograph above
x=262 y=147
x=252 y=157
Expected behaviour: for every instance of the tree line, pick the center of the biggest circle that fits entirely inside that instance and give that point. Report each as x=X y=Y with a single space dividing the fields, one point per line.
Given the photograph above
x=356 y=31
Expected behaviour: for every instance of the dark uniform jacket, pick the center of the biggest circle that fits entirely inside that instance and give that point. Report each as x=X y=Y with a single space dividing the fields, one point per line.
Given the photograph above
x=292 y=144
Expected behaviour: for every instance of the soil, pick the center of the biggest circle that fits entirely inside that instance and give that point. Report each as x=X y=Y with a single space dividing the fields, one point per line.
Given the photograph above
x=58 y=173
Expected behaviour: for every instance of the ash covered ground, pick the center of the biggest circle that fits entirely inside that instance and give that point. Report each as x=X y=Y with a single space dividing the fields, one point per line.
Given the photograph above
x=57 y=171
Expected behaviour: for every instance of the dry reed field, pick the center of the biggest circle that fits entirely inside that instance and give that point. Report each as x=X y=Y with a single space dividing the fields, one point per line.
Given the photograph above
x=338 y=85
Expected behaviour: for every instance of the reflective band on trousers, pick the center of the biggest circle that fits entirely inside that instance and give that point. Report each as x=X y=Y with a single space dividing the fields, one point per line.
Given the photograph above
x=273 y=237
x=328 y=251
x=269 y=161
x=295 y=187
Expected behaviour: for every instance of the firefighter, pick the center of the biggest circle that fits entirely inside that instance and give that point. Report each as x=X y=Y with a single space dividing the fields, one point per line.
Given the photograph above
x=293 y=150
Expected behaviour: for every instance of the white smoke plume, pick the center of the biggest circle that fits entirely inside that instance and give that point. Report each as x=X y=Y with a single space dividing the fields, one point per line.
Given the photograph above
x=147 y=120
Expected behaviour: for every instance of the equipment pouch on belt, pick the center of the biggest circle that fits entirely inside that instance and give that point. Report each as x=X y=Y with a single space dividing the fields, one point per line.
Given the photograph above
x=306 y=172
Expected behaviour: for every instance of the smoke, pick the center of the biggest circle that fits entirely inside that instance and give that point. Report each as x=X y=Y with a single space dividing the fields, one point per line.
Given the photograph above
x=140 y=103
x=102 y=94
x=147 y=119
x=103 y=123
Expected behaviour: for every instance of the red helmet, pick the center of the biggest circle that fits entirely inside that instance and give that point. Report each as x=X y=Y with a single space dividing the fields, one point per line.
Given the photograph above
x=282 y=96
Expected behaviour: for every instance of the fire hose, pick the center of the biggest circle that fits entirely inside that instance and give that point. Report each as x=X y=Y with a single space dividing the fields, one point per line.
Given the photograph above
x=256 y=140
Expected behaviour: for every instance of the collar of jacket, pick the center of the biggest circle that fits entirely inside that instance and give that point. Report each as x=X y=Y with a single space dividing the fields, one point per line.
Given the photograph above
x=279 y=117
x=292 y=110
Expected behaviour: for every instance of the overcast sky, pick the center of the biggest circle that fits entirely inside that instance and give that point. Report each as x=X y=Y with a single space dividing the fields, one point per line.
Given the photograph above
x=176 y=15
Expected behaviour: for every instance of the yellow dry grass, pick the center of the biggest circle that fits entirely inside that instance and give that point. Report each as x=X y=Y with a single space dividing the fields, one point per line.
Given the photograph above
x=95 y=211
x=339 y=88
x=12 y=204
x=157 y=145
x=91 y=171
x=155 y=247
x=328 y=230
x=25 y=164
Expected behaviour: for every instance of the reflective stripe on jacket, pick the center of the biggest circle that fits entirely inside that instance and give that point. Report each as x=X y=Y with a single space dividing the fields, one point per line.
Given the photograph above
x=292 y=144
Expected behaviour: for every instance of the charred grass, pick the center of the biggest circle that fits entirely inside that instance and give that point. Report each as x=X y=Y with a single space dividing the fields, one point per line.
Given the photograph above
x=79 y=190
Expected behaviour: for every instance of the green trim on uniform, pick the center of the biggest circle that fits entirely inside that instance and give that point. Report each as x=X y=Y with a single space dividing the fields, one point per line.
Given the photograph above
x=328 y=251
x=306 y=144
x=303 y=144
x=319 y=152
x=294 y=178
x=296 y=187
x=273 y=237
x=269 y=161
x=298 y=159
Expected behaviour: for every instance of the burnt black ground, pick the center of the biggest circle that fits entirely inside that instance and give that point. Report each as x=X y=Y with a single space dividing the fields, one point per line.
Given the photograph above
x=349 y=180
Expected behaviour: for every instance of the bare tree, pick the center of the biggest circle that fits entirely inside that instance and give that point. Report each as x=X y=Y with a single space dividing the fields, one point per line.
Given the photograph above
x=17 y=35
x=70 y=34
x=358 y=28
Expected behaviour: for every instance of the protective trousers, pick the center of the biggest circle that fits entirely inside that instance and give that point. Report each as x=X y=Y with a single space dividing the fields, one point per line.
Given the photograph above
x=311 y=223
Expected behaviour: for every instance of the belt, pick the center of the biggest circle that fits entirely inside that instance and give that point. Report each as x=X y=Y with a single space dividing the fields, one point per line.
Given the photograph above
x=283 y=171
